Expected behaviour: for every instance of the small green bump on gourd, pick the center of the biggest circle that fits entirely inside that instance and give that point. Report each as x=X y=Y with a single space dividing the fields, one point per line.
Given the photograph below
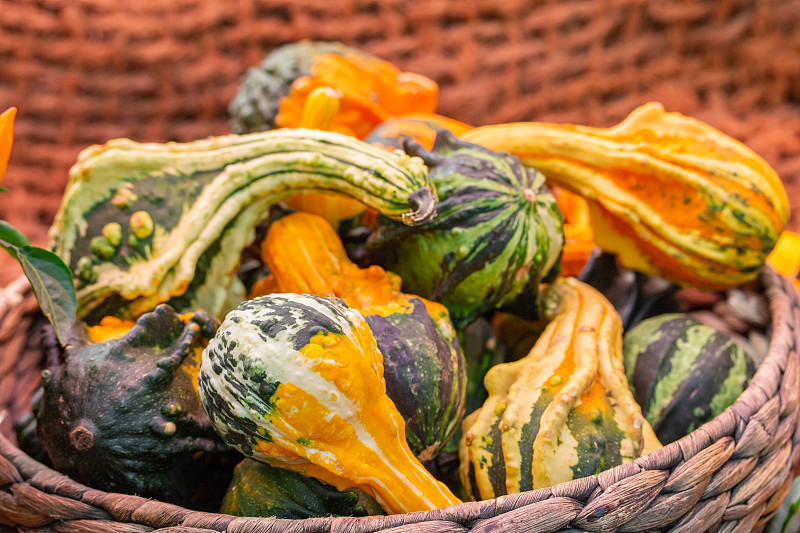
x=86 y=270
x=556 y=380
x=141 y=224
x=101 y=247
x=499 y=408
x=113 y=232
x=303 y=441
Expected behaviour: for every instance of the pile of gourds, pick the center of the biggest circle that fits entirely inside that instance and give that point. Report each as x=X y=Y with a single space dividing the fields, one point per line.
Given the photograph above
x=304 y=294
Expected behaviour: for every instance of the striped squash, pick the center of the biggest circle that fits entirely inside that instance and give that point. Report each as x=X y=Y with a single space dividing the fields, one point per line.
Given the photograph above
x=497 y=235
x=562 y=412
x=682 y=372
x=668 y=194
x=423 y=363
x=141 y=224
x=296 y=381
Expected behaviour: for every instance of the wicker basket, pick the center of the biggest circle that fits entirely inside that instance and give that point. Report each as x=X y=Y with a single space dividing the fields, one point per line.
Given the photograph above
x=84 y=71
x=729 y=475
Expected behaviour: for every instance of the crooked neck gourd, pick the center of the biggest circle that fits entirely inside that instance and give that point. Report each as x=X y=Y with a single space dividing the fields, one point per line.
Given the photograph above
x=146 y=223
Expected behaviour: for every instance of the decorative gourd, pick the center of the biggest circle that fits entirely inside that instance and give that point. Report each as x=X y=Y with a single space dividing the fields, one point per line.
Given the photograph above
x=273 y=93
x=255 y=106
x=562 y=412
x=683 y=373
x=497 y=235
x=423 y=364
x=578 y=234
x=321 y=108
x=668 y=194
x=372 y=90
x=421 y=128
x=296 y=380
x=785 y=257
x=258 y=489
x=142 y=224
x=124 y=415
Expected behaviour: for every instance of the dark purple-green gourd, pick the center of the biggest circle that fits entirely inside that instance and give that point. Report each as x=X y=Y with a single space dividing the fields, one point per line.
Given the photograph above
x=497 y=235
x=147 y=223
x=258 y=489
x=683 y=373
x=123 y=415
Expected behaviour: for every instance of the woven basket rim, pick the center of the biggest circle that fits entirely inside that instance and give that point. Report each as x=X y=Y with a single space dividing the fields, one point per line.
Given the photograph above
x=719 y=434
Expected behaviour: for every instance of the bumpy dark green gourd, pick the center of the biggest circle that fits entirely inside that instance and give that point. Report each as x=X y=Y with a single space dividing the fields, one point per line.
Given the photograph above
x=258 y=489
x=497 y=235
x=124 y=415
x=683 y=373
x=143 y=224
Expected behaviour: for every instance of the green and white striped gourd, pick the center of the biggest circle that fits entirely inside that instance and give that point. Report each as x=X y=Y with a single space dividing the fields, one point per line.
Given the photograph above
x=683 y=373
x=296 y=380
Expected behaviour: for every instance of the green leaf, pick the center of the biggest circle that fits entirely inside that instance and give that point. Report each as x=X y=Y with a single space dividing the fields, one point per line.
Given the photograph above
x=50 y=279
x=10 y=236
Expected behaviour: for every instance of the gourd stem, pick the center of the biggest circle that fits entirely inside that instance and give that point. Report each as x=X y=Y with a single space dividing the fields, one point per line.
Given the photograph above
x=423 y=207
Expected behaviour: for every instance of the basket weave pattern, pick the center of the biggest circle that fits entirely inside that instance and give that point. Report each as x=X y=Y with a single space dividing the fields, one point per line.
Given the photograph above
x=729 y=475
x=85 y=71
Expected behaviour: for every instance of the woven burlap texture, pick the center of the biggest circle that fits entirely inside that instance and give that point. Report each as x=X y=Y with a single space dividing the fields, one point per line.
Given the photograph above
x=85 y=71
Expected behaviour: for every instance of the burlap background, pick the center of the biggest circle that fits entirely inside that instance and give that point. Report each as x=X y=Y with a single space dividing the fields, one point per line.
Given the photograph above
x=82 y=72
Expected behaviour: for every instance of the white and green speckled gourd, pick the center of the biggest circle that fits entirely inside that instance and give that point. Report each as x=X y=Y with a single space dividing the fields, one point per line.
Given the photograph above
x=296 y=381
